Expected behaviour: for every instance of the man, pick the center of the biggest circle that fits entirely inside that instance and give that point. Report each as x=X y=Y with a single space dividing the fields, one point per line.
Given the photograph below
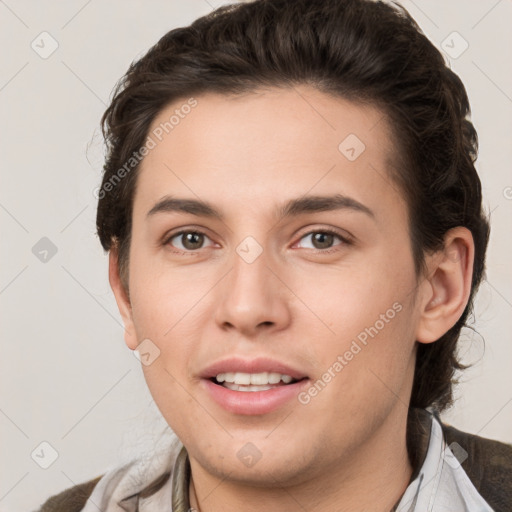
x=296 y=236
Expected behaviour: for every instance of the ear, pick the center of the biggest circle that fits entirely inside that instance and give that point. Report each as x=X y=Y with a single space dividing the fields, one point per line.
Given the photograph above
x=447 y=287
x=122 y=299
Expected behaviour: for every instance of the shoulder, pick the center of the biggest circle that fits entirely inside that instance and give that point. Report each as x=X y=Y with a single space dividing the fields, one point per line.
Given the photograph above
x=72 y=499
x=487 y=463
x=140 y=477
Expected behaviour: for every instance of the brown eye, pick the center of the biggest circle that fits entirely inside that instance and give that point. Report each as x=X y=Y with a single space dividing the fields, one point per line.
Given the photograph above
x=321 y=240
x=188 y=240
x=192 y=240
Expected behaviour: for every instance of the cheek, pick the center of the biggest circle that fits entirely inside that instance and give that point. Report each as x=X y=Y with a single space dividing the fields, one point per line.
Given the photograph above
x=164 y=299
x=364 y=330
x=170 y=393
x=347 y=300
x=365 y=367
x=172 y=308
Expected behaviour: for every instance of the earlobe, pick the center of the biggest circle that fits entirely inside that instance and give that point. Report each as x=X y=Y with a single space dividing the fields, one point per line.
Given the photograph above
x=447 y=287
x=122 y=299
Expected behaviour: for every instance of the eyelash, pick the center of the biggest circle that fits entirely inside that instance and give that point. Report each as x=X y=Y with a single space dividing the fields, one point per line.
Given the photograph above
x=344 y=239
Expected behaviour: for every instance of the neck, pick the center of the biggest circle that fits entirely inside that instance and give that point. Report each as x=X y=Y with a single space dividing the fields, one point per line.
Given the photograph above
x=373 y=477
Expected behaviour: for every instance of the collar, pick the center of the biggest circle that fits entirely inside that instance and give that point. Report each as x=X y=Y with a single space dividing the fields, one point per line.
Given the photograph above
x=441 y=484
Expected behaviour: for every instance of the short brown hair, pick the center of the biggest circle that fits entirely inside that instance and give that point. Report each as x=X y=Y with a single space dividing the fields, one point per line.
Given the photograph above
x=362 y=50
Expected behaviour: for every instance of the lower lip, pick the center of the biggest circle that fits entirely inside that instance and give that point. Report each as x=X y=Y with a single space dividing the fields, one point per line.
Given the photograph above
x=253 y=402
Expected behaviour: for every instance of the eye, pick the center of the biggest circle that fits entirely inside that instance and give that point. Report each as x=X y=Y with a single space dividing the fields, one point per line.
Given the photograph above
x=323 y=239
x=187 y=240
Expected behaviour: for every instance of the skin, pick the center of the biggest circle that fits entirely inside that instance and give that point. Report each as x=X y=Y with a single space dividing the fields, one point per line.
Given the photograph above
x=297 y=303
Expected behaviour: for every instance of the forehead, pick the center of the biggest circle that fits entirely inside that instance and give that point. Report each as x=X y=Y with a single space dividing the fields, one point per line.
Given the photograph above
x=250 y=150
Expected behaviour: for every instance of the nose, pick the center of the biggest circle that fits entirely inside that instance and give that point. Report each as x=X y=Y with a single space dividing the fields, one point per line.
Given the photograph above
x=252 y=299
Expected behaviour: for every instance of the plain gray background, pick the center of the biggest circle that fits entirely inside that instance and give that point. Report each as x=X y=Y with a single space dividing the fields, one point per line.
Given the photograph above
x=67 y=378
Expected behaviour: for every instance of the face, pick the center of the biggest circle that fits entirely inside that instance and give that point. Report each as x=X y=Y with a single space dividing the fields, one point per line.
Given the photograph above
x=271 y=271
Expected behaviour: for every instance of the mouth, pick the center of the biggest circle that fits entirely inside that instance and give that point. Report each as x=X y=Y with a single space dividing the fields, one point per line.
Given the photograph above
x=253 y=382
x=253 y=387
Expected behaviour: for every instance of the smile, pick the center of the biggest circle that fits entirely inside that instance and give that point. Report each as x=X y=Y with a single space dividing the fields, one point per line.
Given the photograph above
x=253 y=386
x=241 y=381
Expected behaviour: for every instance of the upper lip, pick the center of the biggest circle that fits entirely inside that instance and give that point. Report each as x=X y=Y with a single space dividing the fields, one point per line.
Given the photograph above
x=258 y=365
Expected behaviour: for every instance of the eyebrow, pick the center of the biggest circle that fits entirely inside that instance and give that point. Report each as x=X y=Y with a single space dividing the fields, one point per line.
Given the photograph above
x=293 y=207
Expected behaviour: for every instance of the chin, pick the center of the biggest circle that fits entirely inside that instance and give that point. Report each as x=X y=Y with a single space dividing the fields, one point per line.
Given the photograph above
x=265 y=474
x=274 y=465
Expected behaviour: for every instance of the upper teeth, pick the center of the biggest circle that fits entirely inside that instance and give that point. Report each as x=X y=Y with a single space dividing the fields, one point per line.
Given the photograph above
x=253 y=378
